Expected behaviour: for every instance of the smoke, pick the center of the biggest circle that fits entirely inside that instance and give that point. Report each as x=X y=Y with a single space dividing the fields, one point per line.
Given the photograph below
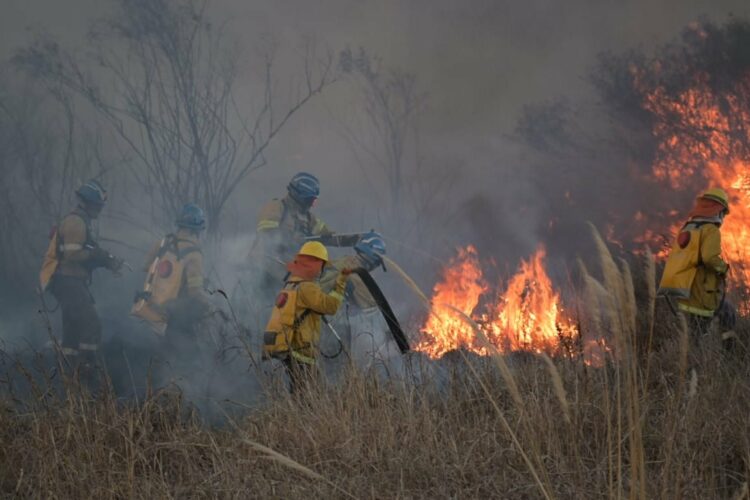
x=469 y=180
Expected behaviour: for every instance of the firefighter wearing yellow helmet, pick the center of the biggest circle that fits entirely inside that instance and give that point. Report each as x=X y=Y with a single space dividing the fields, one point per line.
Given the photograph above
x=173 y=300
x=72 y=256
x=292 y=334
x=695 y=271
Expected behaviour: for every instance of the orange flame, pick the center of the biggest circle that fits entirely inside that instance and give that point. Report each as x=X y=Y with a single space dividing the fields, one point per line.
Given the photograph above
x=528 y=316
x=461 y=287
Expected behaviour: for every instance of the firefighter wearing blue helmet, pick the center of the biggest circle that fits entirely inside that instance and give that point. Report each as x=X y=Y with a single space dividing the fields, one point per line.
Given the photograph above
x=173 y=301
x=72 y=256
x=362 y=325
x=282 y=228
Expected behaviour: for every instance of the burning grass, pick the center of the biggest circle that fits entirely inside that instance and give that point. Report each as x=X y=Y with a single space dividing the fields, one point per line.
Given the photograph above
x=667 y=419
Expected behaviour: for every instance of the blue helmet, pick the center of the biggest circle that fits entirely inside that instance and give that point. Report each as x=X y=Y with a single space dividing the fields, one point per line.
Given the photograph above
x=92 y=192
x=371 y=247
x=192 y=217
x=304 y=188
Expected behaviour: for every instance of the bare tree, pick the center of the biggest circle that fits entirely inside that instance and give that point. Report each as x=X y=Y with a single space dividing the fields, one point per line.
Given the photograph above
x=392 y=104
x=44 y=153
x=166 y=79
x=386 y=143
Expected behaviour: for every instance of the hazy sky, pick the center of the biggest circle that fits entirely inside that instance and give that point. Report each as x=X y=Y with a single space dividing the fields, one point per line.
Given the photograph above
x=479 y=61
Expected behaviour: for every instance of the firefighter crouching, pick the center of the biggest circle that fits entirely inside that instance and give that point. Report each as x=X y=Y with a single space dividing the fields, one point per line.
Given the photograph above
x=695 y=272
x=72 y=255
x=293 y=331
x=173 y=301
x=368 y=335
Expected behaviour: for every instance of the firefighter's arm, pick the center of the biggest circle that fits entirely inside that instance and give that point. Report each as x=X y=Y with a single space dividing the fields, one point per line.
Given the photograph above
x=194 y=281
x=270 y=217
x=320 y=228
x=312 y=297
x=75 y=249
x=268 y=231
x=711 y=250
x=328 y=280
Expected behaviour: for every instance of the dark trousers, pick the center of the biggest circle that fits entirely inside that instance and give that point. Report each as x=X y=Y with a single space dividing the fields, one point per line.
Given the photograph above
x=82 y=329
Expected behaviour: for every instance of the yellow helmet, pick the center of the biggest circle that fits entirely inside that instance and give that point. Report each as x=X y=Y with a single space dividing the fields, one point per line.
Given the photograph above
x=718 y=195
x=314 y=249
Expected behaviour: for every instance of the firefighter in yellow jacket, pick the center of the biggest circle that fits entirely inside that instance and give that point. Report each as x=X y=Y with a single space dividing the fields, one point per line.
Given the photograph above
x=695 y=271
x=284 y=225
x=73 y=254
x=173 y=300
x=293 y=331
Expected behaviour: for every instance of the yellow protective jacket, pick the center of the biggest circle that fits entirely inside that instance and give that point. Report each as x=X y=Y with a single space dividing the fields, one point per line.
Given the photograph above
x=282 y=228
x=357 y=293
x=295 y=323
x=174 y=268
x=72 y=250
x=694 y=271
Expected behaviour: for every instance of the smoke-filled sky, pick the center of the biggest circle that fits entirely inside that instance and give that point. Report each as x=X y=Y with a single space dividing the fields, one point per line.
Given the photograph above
x=478 y=61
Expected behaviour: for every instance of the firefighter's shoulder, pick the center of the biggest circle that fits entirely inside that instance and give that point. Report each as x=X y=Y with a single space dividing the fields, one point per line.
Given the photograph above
x=73 y=225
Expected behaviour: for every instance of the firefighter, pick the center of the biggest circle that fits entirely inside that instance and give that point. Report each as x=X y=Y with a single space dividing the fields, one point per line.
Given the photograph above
x=283 y=226
x=292 y=334
x=72 y=256
x=173 y=301
x=367 y=331
x=695 y=272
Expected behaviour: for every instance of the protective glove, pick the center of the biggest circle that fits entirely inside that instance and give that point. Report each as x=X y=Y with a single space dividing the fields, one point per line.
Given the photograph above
x=115 y=264
x=100 y=258
x=341 y=279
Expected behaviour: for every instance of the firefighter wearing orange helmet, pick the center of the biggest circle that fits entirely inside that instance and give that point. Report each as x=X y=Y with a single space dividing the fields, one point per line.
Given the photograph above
x=695 y=270
x=292 y=334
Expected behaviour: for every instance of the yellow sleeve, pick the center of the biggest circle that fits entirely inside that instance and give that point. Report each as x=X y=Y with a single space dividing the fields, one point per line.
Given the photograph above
x=711 y=250
x=270 y=216
x=311 y=296
x=328 y=280
x=194 y=273
x=73 y=234
x=319 y=228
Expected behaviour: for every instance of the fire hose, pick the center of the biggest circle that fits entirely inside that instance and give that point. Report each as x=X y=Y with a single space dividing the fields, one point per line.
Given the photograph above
x=385 y=309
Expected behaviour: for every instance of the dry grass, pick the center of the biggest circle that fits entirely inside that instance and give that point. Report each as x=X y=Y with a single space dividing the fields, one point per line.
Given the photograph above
x=669 y=419
x=370 y=439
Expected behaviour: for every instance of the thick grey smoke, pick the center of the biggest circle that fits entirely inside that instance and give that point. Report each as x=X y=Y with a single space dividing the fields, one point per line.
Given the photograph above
x=477 y=64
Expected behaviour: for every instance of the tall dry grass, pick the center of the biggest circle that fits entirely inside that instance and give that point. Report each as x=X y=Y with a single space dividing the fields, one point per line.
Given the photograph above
x=668 y=417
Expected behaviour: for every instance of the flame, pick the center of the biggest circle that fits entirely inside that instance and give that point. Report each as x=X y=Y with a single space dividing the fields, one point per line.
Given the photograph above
x=705 y=134
x=527 y=316
x=461 y=287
